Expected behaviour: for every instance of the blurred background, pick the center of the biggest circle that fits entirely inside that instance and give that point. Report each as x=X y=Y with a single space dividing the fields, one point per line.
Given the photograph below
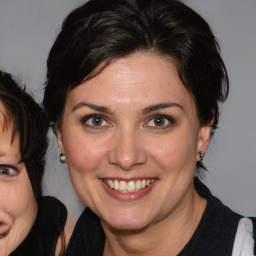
x=28 y=29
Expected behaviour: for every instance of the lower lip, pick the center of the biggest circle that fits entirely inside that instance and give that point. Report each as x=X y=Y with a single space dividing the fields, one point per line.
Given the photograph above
x=129 y=196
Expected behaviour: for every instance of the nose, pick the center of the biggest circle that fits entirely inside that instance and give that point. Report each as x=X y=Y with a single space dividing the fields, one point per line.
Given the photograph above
x=127 y=150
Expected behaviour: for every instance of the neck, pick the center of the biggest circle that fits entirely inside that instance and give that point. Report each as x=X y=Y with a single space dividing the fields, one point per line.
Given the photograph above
x=165 y=237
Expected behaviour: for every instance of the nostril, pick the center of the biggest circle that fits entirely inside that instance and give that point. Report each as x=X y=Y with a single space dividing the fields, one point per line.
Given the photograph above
x=127 y=149
x=127 y=159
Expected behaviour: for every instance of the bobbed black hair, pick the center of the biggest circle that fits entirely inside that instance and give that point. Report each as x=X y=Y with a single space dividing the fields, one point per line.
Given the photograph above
x=28 y=121
x=101 y=31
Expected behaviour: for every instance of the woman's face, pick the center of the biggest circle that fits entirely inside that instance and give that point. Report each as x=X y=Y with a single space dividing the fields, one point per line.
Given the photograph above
x=131 y=137
x=18 y=206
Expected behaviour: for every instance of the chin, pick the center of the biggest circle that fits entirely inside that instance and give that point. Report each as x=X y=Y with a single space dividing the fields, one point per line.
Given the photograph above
x=127 y=221
x=132 y=227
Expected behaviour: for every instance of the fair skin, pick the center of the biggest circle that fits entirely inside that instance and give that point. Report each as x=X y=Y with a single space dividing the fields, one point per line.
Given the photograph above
x=132 y=138
x=18 y=206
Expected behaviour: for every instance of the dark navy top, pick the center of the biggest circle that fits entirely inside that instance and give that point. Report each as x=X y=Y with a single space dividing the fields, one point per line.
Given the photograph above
x=214 y=235
x=50 y=221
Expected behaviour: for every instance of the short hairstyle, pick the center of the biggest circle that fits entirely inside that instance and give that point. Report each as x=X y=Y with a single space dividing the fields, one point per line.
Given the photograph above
x=101 y=31
x=27 y=120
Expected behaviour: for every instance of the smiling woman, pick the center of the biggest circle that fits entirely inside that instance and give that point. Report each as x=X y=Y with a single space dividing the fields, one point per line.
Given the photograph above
x=129 y=142
x=30 y=224
x=133 y=88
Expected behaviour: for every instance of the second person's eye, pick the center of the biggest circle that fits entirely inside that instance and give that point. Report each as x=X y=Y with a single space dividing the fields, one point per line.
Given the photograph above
x=7 y=170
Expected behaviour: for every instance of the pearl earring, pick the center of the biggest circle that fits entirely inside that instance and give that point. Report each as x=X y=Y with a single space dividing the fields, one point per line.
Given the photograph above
x=62 y=158
x=201 y=155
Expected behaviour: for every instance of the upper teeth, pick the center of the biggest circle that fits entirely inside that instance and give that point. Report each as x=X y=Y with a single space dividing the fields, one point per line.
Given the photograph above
x=130 y=186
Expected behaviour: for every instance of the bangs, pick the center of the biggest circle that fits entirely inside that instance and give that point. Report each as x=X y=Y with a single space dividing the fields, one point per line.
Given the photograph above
x=8 y=120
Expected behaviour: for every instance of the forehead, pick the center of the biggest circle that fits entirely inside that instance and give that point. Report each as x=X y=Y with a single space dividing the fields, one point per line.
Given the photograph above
x=141 y=76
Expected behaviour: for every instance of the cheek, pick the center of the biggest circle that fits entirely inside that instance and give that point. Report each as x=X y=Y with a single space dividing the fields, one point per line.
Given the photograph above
x=17 y=199
x=176 y=151
x=84 y=154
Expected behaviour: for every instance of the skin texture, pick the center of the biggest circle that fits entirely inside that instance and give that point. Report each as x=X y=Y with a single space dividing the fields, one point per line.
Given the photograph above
x=18 y=206
x=131 y=95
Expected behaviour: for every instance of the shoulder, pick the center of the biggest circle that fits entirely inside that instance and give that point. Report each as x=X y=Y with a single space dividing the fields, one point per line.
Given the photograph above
x=244 y=244
x=50 y=222
x=215 y=209
x=50 y=203
x=88 y=237
x=254 y=232
x=217 y=229
x=52 y=209
x=231 y=230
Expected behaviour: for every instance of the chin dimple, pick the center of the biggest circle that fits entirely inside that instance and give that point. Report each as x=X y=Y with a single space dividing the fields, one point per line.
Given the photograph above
x=128 y=186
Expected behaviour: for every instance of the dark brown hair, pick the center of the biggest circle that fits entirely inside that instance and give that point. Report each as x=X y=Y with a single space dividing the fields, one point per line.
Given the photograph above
x=102 y=31
x=27 y=120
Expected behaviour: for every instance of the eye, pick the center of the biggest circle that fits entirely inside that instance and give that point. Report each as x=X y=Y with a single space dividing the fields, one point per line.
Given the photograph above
x=95 y=121
x=161 y=121
x=8 y=170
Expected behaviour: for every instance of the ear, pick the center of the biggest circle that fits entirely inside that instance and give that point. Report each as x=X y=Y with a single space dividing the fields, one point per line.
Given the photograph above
x=60 y=143
x=203 y=140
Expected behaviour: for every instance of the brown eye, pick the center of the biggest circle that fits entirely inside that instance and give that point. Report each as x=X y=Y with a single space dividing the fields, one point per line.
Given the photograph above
x=159 y=121
x=97 y=121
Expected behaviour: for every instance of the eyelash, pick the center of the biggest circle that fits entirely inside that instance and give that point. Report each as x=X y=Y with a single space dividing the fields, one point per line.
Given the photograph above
x=12 y=171
x=103 y=119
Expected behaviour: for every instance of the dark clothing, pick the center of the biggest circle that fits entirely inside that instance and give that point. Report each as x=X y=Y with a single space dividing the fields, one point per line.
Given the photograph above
x=50 y=222
x=88 y=238
x=214 y=235
x=216 y=231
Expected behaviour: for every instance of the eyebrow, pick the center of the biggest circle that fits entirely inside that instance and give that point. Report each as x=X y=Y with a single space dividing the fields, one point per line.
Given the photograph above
x=92 y=106
x=160 y=106
x=144 y=111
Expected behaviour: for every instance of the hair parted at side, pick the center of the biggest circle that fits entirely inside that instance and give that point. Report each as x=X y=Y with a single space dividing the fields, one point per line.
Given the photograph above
x=101 y=31
x=27 y=120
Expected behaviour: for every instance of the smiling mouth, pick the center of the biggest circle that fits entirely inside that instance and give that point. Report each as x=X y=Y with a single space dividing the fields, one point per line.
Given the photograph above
x=128 y=186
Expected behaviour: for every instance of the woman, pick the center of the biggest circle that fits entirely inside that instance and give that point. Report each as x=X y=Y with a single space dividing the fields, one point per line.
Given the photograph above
x=30 y=224
x=133 y=88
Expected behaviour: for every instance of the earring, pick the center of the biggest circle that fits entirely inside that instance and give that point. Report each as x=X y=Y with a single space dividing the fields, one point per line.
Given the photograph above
x=201 y=155
x=62 y=158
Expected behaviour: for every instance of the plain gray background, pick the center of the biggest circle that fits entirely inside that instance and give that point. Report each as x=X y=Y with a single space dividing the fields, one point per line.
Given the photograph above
x=28 y=29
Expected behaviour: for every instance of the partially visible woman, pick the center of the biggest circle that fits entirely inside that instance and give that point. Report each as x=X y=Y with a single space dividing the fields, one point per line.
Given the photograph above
x=30 y=224
x=133 y=88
